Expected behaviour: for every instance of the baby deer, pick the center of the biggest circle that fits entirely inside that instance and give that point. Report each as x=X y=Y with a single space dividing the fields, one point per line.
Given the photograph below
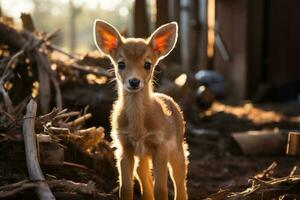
x=146 y=126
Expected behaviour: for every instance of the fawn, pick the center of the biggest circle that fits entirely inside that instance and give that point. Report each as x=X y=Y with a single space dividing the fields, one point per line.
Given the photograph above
x=146 y=126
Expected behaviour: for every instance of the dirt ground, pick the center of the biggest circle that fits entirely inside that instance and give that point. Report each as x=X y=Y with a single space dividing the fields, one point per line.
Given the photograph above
x=216 y=162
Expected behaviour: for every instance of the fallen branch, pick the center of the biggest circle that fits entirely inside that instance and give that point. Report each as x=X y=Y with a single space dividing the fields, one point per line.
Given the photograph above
x=34 y=170
x=272 y=188
x=17 y=190
x=66 y=185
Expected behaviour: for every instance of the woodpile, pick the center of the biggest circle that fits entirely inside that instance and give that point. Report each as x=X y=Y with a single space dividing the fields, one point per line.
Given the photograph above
x=34 y=70
x=32 y=66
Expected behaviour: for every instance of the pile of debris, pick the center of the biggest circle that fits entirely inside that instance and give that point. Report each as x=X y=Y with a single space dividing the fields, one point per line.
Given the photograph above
x=31 y=67
x=264 y=186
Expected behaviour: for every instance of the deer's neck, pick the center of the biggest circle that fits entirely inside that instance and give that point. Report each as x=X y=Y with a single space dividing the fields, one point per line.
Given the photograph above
x=135 y=105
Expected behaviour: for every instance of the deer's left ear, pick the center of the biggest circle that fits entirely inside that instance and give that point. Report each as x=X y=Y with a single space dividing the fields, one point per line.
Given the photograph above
x=163 y=40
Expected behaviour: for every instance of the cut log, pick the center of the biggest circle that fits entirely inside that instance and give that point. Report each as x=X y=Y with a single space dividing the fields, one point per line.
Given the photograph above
x=265 y=142
x=293 y=146
x=34 y=170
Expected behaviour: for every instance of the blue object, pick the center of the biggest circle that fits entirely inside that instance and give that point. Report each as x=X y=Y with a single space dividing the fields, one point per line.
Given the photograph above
x=211 y=79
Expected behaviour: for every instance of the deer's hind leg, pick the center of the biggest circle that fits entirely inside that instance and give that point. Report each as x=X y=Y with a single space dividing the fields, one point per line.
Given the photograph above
x=160 y=170
x=178 y=172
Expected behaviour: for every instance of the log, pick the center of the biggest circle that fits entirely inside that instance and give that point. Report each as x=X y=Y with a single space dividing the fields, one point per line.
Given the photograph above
x=34 y=170
x=293 y=146
x=265 y=142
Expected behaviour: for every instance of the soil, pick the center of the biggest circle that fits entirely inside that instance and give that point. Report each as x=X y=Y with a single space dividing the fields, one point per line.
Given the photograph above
x=215 y=162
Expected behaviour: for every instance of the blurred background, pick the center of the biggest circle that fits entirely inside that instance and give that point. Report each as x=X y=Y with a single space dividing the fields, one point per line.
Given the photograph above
x=253 y=44
x=235 y=72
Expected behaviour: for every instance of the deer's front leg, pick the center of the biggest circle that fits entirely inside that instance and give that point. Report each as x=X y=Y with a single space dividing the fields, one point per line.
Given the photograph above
x=160 y=169
x=126 y=166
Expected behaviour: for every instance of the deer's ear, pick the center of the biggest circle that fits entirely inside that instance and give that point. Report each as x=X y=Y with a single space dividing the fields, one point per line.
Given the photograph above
x=163 y=40
x=106 y=37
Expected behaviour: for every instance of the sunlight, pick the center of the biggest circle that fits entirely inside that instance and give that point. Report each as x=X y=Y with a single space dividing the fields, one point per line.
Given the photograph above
x=123 y=11
x=211 y=28
x=109 y=5
x=14 y=8
x=181 y=80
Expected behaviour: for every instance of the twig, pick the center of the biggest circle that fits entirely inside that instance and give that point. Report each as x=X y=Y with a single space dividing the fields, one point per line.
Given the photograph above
x=56 y=48
x=45 y=39
x=58 y=130
x=13 y=185
x=79 y=121
x=65 y=115
x=265 y=172
x=93 y=70
x=70 y=164
x=7 y=100
x=15 y=188
x=49 y=116
x=293 y=171
x=13 y=59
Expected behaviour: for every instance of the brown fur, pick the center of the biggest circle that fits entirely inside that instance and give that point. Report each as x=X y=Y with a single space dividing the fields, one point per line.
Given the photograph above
x=146 y=126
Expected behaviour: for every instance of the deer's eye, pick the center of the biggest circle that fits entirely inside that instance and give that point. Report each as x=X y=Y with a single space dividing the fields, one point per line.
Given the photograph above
x=121 y=65
x=147 y=65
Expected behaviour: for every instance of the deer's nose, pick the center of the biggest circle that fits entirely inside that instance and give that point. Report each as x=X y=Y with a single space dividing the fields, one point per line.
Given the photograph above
x=134 y=83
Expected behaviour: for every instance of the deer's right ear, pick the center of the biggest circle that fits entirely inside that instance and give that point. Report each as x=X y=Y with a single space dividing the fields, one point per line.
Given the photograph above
x=106 y=37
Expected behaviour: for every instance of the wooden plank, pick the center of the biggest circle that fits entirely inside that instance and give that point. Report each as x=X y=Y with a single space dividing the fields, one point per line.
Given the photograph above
x=231 y=16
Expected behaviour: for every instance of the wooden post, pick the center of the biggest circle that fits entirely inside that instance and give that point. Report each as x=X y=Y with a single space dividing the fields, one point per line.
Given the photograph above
x=74 y=11
x=141 y=23
x=232 y=18
x=0 y=9
x=293 y=146
x=184 y=31
x=27 y=22
x=162 y=14
x=174 y=15
x=34 y=170
x=194 y=35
